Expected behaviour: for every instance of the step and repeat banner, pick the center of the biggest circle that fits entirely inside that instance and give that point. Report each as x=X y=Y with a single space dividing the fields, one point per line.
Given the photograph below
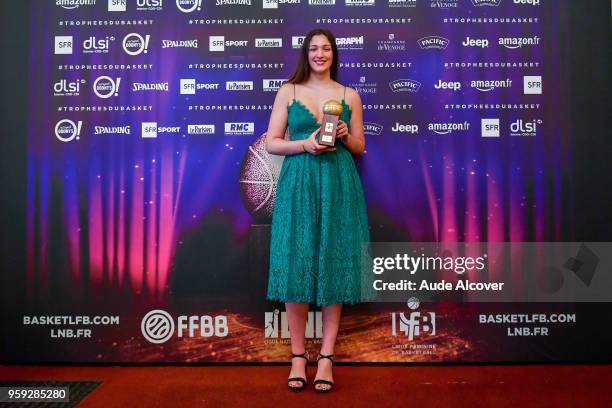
x=150 y=191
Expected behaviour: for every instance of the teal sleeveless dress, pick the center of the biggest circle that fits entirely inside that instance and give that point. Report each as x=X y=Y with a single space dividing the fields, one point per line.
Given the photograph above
x=319 y=245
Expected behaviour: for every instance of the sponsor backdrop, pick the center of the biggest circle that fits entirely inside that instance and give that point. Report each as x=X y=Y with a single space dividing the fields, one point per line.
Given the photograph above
x=149 y=191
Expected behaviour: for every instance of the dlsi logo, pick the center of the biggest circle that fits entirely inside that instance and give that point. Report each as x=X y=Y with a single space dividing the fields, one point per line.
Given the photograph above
x=94 y=46
x=525 y=128
x=68 y=88
x=149 y=5
x=188 y=6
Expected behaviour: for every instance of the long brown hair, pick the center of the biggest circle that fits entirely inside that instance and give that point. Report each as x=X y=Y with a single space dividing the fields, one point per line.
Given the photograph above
x=302 y=69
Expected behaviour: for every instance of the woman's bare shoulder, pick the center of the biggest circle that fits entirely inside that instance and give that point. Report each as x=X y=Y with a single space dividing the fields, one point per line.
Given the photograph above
x=352 y=95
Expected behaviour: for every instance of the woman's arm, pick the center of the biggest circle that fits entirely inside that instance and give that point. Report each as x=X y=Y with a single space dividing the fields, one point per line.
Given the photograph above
x=355 y=139
x=275 y=137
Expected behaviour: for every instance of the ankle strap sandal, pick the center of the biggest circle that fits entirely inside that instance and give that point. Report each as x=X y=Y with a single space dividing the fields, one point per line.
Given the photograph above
x=326 y=382
x=302 y=380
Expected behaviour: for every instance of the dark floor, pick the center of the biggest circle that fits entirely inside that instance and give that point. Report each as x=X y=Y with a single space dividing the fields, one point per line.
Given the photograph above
x=356 y=386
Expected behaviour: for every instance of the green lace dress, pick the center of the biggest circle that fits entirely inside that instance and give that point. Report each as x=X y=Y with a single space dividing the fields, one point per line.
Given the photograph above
x=319 y=248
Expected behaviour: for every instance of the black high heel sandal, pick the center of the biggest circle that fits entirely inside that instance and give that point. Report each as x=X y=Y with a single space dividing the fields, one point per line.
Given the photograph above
x=304 y=355
x=326 y=382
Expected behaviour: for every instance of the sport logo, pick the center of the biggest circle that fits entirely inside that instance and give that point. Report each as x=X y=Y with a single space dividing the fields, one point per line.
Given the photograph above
x=150 y=130
x=105 y=87
x=73 y=4
x=157 y=326
x=67 y=131
x=189 y=86
x=405 y=85
x=433 y=43
x=135 y=44
x=188 y=6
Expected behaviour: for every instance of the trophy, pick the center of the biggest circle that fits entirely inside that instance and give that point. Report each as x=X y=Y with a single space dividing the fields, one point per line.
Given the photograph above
x=332 y=110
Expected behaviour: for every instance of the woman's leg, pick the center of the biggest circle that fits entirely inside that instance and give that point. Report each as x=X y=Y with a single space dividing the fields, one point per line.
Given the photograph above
x=296 y=314
x=331 y=323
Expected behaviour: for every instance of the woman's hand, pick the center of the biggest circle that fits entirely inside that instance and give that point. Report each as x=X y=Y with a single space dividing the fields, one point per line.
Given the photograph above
x=313 y=147
x=341 y=130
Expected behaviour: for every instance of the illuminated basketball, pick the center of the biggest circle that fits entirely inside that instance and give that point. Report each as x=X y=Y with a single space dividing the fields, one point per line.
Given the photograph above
x=258 y=177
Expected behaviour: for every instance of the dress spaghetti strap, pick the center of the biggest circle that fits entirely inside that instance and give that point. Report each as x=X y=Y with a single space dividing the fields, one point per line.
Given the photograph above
x=344 y=96
x=293 y=91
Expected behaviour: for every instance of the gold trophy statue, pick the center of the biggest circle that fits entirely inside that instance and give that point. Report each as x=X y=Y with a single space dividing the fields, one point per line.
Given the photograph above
x=332 y=110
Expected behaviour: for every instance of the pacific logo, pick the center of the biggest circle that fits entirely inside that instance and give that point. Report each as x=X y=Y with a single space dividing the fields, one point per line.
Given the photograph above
x=489 y=3
x=433 y=43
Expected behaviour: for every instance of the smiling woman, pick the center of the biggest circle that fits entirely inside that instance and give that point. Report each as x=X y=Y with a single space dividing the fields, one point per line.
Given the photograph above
x=319 y=222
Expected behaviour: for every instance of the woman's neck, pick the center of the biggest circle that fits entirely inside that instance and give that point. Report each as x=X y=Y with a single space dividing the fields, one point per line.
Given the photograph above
x=319 y=80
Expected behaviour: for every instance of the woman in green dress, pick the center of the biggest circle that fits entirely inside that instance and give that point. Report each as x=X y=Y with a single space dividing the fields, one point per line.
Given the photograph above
x=319 y=222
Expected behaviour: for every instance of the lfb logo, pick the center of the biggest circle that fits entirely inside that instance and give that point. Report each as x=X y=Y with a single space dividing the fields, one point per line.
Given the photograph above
x=277 y=325
x=157 y=326
x=415 y=324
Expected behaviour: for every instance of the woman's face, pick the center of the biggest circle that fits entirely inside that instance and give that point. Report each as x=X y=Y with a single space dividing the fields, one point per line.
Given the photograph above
x=320 y=54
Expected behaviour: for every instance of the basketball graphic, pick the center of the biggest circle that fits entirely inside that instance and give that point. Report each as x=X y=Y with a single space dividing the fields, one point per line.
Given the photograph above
x=258 y=176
